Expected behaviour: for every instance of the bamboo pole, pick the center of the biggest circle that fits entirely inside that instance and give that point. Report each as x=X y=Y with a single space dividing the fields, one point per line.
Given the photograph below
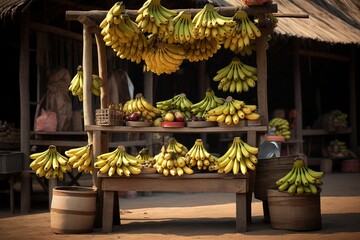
x=99 y=15
x=25 y=112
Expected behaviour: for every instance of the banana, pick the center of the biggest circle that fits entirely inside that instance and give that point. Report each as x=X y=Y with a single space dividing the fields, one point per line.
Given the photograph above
x=134 y=170
x=126 y=170
x=292 y=178
x=313 y=188
x=292 y=188
x=315 y=174
x=285 y=178
x=284 y=186
x=250 y=165
x=304 y=180
x=187 y=170
x=104 y=168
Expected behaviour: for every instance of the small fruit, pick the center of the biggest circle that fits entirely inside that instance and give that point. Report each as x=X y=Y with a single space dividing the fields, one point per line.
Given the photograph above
x=169 y=117
x=179 y=116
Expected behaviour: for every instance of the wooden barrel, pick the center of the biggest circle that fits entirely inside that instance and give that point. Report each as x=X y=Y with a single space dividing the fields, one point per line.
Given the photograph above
x=350 y=166
x=268 y=171
x=73 y=209
x=294 y=212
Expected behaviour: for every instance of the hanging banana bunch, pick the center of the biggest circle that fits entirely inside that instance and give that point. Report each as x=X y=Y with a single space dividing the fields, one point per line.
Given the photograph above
x=164 y=57
x=123 y=35
x=182 y=29
x=210 y=24
x=77 y=83
x=154 y=18
x=236 y=76
x=245 y=32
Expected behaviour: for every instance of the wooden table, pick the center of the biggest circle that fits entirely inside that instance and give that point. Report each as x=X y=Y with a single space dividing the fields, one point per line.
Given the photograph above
x=197 y=182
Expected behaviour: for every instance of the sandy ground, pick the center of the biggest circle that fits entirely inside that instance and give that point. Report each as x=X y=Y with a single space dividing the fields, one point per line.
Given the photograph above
x=196 y=216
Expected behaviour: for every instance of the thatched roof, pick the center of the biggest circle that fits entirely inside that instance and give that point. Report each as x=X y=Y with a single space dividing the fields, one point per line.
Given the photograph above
x=8 y=8
x=331 y=21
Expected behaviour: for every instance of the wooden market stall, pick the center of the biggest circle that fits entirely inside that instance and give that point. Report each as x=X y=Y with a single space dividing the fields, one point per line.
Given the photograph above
x=108 y=186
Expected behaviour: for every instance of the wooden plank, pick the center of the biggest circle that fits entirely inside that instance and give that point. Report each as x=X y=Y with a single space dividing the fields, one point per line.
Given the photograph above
x=175 y=185
x=321 y=132
x=176 y=130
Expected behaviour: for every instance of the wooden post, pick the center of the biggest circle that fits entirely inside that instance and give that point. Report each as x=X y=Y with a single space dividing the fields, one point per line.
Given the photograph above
x=352 y=101
x=298 y=99
x=25 y=112
x=261 y=62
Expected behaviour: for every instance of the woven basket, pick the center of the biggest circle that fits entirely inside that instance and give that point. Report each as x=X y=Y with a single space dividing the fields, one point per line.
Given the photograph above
x=109 y=117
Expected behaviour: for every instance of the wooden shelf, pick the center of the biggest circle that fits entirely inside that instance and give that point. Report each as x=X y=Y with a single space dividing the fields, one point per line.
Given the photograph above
x=124 y=129
x=320 y=132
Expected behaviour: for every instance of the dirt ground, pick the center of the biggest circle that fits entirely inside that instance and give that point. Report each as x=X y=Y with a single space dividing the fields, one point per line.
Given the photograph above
x=195 y=216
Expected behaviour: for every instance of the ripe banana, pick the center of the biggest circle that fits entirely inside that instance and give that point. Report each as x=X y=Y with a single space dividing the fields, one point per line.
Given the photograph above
x=199 y=157
x=118 y=161
x=235 y=153
x=49 y=162
x=80 y=158
x=280 y=126
x=236 y=76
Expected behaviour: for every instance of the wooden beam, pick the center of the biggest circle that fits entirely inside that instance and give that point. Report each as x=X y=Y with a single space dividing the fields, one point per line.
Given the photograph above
x=318 y=54
x=54 y=30
x=98 y=15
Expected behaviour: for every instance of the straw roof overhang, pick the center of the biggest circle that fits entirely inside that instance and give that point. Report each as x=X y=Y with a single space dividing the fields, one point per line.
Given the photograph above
x=330 y=21
x=8 y=8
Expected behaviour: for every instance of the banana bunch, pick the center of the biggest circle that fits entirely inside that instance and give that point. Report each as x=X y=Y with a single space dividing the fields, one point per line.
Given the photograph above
x=114 y=28
x=236 y=76
x=175 y=146
x=238 y=158
x=154 y=18
x=118 y=161
x=232 y=111
x=210 y=101
x=76 y=84
x=199 y=157
x=115 y=106
x=140 y=105
x=244 y=32
x=145 y=159
x=280 y=126
x=123 y=35
x=182 y=29
x=178 y=102
x=164 y=57
x=210 y=24
x=80 y=158
x=171 y=163
x=300 y=179
x=50 y=163
x=201 y=49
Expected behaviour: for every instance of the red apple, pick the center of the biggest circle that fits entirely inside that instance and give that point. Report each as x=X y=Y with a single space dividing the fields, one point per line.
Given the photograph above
x=135 y=116
x=179 y=116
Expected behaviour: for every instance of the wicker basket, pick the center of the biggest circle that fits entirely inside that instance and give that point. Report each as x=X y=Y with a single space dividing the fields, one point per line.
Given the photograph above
x=109 y=117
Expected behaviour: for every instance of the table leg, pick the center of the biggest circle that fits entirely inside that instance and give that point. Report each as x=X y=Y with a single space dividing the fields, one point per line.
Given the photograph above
x=108 y=211
x=11 y=182
x=241 y=212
